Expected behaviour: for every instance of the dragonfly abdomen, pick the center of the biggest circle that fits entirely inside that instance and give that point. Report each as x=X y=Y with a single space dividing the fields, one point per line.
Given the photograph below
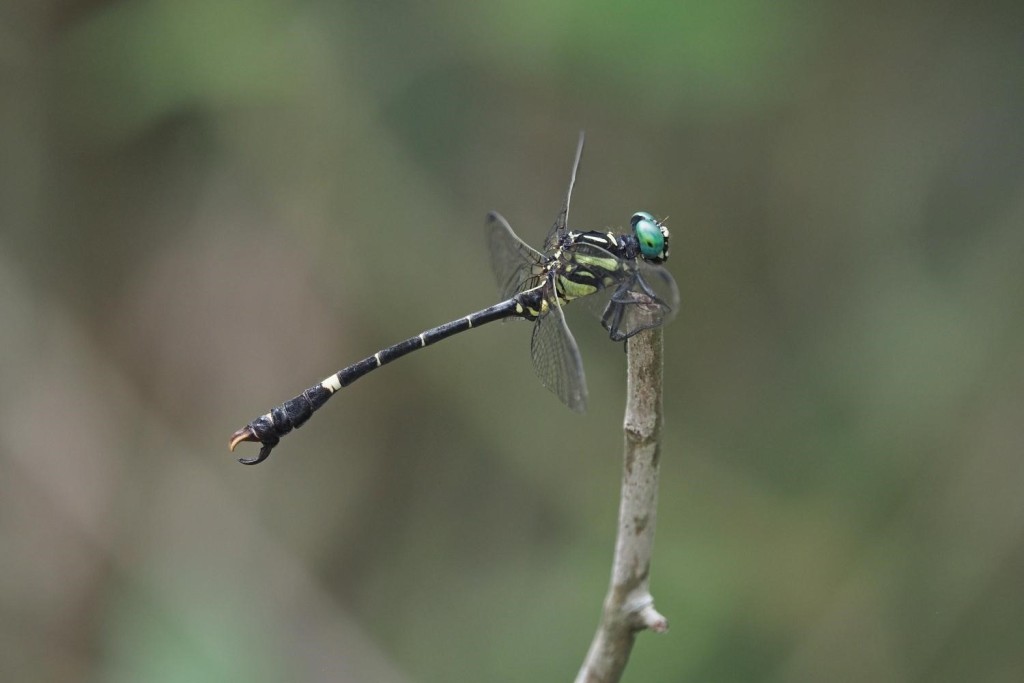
x=293 y=413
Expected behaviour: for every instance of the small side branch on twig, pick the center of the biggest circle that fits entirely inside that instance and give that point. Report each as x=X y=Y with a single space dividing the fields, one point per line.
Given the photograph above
x=629 y=606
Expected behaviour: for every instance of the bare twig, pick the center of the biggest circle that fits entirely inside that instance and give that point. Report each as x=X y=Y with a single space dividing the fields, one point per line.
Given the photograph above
x=629 y=607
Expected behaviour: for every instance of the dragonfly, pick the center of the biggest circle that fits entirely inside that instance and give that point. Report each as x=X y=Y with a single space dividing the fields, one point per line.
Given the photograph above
x=621 y=274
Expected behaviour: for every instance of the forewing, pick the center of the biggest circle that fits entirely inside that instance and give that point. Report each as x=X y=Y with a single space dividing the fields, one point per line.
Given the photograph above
x=556 y=359
x=515 y=263
x=561 y=221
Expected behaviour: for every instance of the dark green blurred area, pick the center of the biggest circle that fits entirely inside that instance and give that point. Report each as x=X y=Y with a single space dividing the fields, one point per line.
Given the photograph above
x=206 y=207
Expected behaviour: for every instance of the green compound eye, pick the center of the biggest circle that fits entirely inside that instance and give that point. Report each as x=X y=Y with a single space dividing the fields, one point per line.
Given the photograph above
x=649 y=235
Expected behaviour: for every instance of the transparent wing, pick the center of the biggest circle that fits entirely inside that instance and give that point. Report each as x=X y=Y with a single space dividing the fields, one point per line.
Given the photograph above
x=646 y=298
x=559 y=228
x=556 y=359
x=515 y=263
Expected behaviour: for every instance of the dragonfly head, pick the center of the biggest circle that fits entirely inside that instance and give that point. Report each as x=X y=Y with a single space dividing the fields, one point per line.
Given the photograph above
x=651 y=235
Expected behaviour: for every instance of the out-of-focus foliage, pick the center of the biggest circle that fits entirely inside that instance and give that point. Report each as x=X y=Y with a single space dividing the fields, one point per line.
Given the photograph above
x=206 y=206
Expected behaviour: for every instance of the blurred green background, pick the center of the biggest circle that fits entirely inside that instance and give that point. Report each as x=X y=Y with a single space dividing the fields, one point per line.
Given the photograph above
x=208 y=206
